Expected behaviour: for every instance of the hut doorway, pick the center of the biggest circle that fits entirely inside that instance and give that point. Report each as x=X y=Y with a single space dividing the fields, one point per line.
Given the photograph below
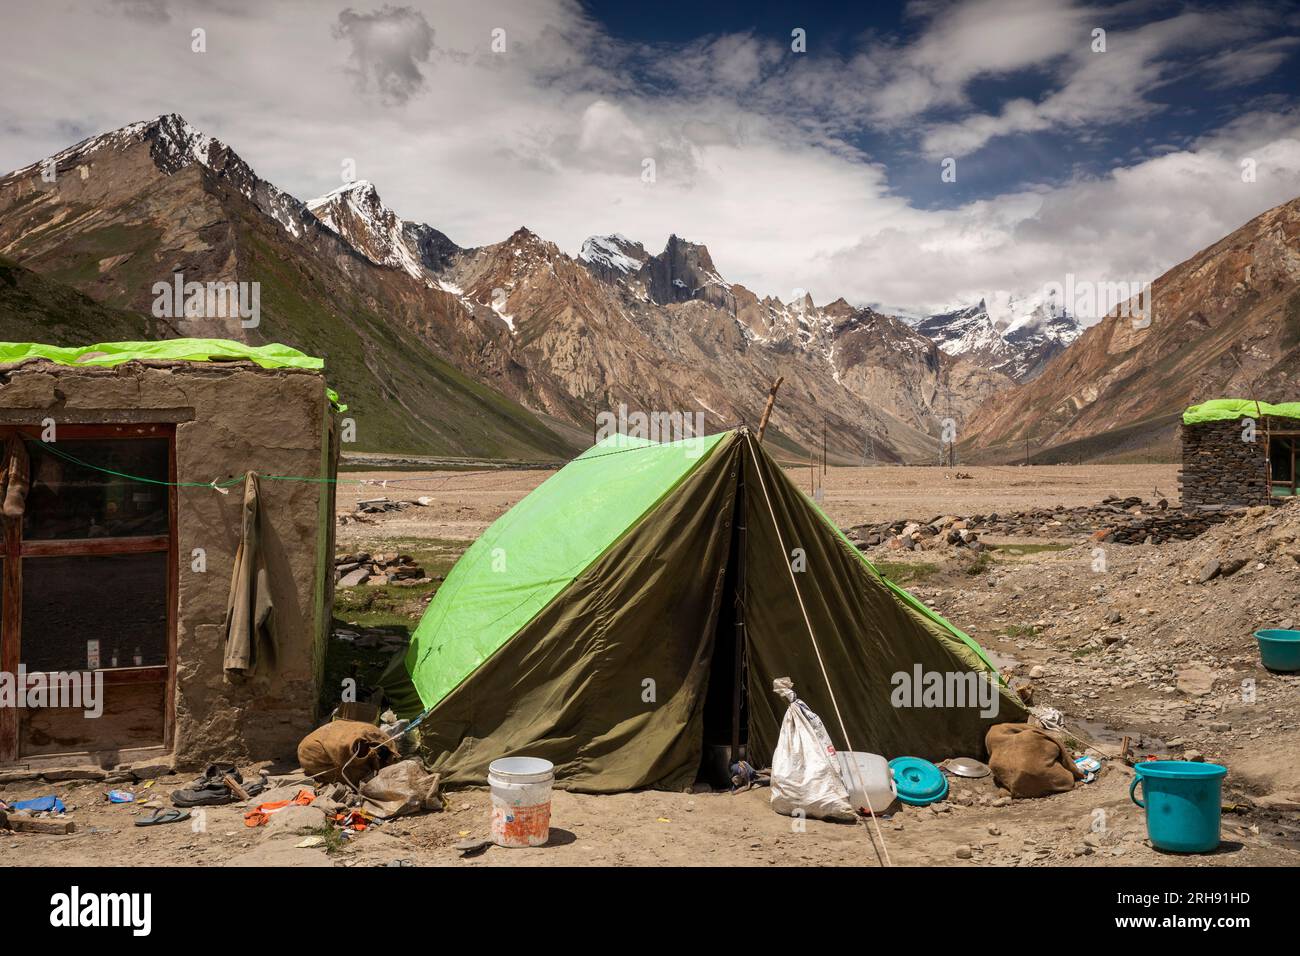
x=1282 y=463
x=88 y=591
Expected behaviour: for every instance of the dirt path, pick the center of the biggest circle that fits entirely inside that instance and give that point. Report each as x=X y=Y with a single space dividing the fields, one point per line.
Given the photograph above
x=463 y=504
x=1095 y=825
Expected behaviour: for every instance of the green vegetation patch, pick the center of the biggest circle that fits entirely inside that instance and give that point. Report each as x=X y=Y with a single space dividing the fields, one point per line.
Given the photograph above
x=902 y=572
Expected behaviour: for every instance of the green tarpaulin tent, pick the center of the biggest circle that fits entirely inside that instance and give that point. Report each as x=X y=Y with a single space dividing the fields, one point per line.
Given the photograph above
x=595 y=625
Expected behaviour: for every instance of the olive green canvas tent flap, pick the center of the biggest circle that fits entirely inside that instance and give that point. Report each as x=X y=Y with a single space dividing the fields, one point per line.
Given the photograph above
x=584 y=626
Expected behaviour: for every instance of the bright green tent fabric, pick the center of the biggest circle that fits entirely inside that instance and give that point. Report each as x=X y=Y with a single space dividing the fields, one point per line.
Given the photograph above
x=532 y=552
x=175 y=350
x=1225 y=409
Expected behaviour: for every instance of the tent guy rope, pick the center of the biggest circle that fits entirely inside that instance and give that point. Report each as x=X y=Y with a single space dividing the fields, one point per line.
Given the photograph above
x=776 y=526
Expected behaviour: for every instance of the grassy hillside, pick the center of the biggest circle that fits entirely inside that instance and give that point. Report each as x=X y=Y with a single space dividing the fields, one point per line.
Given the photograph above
x=36 y=309
x=403 y=397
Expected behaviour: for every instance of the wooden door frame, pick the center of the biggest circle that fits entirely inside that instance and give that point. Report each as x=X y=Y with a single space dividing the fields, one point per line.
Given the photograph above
x=15 y=551
x=1292 y=439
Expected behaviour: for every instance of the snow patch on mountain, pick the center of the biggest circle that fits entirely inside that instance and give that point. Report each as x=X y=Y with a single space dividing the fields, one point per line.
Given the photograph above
x=614 y=252
x=499 y=307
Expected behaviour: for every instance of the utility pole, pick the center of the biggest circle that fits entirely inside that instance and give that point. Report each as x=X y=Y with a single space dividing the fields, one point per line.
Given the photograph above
x=948 y=452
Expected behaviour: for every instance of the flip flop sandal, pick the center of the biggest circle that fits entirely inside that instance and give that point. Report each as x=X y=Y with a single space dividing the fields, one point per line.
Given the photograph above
x=163 y=816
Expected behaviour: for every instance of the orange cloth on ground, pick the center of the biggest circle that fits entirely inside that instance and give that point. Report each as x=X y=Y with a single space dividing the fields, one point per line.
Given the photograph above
x=258 y=816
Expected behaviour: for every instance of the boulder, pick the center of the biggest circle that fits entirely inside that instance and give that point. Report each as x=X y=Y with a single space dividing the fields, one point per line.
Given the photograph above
x=295 y=819
x=1194 y=681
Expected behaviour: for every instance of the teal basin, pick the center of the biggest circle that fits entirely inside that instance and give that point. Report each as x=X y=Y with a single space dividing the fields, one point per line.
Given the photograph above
x=1279 y=650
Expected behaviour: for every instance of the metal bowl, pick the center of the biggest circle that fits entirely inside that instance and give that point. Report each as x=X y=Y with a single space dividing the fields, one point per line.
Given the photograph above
x=966 y=767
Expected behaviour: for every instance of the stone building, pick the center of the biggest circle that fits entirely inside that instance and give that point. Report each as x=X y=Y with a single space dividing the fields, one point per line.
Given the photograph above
x=118 y=561
x=1238 y=453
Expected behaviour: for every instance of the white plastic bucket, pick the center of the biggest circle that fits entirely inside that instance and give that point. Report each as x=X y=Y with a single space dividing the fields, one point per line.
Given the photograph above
x=869 y=779
x=521 y=800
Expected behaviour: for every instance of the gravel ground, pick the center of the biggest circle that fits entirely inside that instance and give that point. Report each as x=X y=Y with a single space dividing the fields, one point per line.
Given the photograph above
x=1125 y=640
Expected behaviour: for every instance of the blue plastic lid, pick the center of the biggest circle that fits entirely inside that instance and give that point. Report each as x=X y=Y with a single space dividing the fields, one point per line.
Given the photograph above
x=919 y=782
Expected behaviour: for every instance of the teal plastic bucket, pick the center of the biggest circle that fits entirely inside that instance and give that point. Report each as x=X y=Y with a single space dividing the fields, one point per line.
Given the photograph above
x=1183 y=800
x=1279 y=650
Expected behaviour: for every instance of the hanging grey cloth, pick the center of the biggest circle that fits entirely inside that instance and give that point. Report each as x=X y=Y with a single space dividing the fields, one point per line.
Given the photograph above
x=250 y=613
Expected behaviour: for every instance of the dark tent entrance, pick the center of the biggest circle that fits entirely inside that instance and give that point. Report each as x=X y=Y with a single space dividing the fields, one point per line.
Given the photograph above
x=726 y=703
x=595 y=625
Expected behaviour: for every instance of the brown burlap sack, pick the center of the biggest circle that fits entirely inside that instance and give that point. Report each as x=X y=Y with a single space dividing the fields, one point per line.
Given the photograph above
x=346 y=750
x=1029 y=762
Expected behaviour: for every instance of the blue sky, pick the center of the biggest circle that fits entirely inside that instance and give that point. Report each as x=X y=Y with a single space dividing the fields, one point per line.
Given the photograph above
x=1190 y=97
x=813 y=171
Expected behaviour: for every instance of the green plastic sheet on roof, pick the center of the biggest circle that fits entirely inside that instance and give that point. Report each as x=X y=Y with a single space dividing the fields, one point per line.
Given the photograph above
x=519 y=565
x=174 y=350
x=1224 y=409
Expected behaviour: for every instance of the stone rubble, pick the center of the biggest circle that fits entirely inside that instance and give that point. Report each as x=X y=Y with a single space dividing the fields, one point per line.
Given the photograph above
x=1116 y=520
x=351 y=570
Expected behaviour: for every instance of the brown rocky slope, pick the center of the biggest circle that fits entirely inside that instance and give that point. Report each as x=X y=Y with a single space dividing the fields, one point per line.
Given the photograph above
x=1225 y=323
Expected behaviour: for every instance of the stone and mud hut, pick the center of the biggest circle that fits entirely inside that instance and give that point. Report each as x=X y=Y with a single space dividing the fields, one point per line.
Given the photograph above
x=1238 y=453
x=135 y=543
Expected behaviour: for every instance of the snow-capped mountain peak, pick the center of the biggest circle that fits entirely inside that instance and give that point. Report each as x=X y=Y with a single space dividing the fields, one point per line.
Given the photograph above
x=355 y=211
x=613 y=255
x=174 y=145
x=1007 y=333
x=363 y=189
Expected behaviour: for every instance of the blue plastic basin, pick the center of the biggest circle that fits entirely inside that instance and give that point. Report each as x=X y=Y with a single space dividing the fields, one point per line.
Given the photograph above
x=1279 y=650
x=1183 y=800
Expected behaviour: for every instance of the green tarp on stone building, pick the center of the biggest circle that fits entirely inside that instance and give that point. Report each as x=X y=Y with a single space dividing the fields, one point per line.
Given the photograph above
x=1227 y=409
x=594 y=625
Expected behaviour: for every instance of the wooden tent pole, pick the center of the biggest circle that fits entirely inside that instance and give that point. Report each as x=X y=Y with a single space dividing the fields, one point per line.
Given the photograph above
x=767 y=409
x=738 y=653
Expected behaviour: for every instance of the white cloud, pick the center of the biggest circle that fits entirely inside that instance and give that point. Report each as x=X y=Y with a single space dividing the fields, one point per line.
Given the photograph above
x=1114 y=86
x=1130 y=225
x=553 y=134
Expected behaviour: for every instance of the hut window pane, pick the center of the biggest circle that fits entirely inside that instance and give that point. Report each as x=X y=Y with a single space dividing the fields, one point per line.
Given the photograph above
x=1282 y=462
x=71 y=501
x=118 y=601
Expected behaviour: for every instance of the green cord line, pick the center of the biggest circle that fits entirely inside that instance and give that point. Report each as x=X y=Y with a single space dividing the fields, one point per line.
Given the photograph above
x=230 y=483
x=49 y=446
